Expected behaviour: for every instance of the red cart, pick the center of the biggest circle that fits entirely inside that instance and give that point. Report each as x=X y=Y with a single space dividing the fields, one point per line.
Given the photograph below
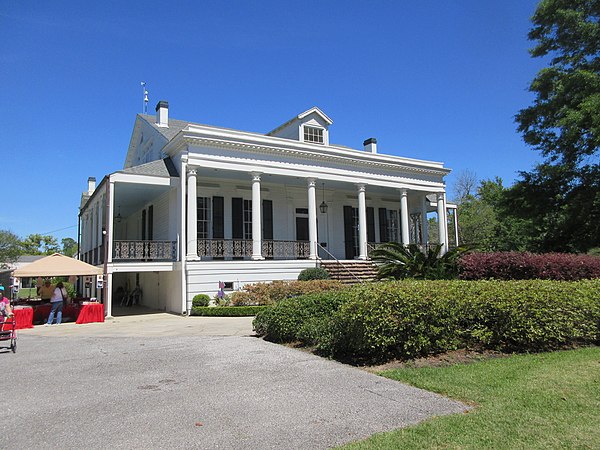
x=8 y=332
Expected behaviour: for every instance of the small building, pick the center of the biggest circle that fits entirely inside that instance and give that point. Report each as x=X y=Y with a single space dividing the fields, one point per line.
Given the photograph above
x=198 y=205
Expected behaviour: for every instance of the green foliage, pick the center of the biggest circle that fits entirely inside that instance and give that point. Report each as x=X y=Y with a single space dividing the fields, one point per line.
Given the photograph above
x=69 y=246
x=226 y=311
x=408 y=261
x=313 y=273
x=200 y=300
x=271 y=293
x=36 y=244
x=303 y=318
x=561 y=197
x=377 y=321
x=10 y=248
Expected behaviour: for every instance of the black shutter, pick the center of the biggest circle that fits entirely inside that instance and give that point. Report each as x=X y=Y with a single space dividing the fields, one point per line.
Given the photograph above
x=370 y=224
x=237 y=218
x=348 y=235
x=150 y=222
x=267 y=212
x=218 y=221
x=143 y=225
x=383 y=226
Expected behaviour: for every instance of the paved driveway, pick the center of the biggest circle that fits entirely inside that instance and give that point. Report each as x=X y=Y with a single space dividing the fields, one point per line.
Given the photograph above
x=163 y=381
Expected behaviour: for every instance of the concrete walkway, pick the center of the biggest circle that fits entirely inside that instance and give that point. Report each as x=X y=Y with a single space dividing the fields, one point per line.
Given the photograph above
x=164 y=381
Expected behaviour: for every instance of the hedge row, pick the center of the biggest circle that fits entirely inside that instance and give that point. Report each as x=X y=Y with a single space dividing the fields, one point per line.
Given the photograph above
x=411 y=318
x=528 y=266
x=271 y=293
x=226 y=311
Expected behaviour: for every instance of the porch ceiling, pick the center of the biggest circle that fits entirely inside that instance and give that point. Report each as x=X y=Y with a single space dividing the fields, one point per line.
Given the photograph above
x=129 y=196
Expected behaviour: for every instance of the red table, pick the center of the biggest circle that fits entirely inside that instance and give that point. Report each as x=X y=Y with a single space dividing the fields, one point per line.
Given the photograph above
x=42 y=312
x=23 y=316
x=92 y=312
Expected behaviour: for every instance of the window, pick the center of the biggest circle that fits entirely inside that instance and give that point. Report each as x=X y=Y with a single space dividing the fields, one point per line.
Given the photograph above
x=312 y=134
x=247 y=219
x=203 y=217
x=392 y=224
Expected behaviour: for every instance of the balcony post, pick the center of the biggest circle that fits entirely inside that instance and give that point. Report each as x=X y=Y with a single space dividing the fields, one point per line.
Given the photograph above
x=362 y=222
x=312 y=218
x=192 y=216
x=256 y=218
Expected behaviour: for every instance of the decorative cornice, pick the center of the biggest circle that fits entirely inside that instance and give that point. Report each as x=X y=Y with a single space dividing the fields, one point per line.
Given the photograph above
x=307 y=154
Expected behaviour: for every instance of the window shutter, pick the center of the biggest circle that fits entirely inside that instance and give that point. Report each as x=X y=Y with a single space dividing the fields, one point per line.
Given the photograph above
x=370 y=224
x=348 y=235
x=237 y=218
x=383 y=225
x=267 y=212
x=218 y=224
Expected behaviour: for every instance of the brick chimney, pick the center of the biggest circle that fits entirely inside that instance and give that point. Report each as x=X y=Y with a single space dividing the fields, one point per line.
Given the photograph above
x=162 y=114
x=91 y=185
x=370 y=145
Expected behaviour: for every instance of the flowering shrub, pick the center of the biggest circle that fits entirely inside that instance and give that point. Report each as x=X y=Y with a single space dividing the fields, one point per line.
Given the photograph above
x=528 y=266
x=271 y=293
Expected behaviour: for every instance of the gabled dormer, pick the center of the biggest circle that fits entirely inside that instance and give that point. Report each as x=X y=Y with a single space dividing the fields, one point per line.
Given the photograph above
x=311 y=126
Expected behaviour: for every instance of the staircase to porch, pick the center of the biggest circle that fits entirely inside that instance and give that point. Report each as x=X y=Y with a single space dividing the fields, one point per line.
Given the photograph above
x=350 y=272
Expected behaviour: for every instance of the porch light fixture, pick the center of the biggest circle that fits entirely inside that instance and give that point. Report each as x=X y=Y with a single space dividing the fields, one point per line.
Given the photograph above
x=118 y=218
x=323 y=205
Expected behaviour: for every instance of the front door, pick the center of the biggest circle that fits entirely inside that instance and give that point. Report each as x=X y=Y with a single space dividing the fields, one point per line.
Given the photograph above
x=301 y=235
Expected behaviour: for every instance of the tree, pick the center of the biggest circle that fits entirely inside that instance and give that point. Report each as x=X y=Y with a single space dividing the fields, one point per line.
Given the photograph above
x=10 y=248
x=36 y=244
x=464 y=187
x=69 y=246
x=561 y=197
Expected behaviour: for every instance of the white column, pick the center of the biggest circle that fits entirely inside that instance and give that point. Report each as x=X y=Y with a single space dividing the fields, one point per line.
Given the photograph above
x=455 y=214
x=110 y=226
x=441 y=208
x=256 y=218
x=424 y=223
x=404 y=225
x=192 y=216
x=447 y=235
x=362 y=222
x=312 y=218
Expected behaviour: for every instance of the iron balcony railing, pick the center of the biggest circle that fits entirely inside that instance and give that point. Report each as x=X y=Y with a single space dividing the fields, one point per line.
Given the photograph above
x=242 y=248
x=144 y=251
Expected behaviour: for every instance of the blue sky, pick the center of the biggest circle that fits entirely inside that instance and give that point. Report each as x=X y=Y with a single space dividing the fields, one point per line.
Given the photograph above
x=430 y=79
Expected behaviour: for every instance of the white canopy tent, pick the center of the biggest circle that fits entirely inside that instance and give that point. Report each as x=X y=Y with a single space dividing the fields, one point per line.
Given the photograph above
x=57 y=265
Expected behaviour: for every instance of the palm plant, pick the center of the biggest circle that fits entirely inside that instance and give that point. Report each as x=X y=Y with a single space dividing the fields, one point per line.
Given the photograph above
x=397 y=261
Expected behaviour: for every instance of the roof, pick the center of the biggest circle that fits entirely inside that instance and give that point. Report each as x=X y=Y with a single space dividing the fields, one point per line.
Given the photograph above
x=160 y=167
x=175 y=126
x=57 y=265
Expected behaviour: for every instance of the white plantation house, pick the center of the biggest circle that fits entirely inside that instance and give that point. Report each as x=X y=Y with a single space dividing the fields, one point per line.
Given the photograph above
x=198 y=205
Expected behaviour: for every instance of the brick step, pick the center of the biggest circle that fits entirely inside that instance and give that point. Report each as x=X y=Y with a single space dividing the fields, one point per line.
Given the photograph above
x=350 y=272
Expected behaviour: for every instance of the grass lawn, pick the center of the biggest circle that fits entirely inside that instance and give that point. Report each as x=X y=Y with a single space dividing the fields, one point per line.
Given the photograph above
x=541 y=401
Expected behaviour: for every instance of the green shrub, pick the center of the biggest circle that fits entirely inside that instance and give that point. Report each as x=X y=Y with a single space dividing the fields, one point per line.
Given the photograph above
x=410 y=318
x=313 y=273
x=298 y=318
x=271 y=293
x=200 y=300
x=226 y=311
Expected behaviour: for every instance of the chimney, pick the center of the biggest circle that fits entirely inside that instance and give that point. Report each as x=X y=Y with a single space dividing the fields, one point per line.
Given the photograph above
x=162 y=114
x=91 y=185
x=370 y=145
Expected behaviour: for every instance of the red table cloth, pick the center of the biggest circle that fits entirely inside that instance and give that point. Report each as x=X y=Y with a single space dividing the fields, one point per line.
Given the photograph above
x=42 y=312
x=93 y=312
x=23 y=316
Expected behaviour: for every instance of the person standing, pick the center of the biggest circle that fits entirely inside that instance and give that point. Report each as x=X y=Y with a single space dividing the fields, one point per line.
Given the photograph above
x=59 y=296
x=45 y=291
x=5 y=309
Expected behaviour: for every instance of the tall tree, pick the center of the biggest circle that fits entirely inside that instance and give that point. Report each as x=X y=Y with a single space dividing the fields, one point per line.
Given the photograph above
x=561 y=197
x=69 y=246
x=37 y=244
x=10 y=248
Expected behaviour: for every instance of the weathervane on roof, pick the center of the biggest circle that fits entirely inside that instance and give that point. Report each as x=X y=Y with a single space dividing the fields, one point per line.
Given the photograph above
x=145 y=105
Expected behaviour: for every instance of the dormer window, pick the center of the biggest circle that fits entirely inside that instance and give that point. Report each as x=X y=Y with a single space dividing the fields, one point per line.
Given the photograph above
x=312 y=134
